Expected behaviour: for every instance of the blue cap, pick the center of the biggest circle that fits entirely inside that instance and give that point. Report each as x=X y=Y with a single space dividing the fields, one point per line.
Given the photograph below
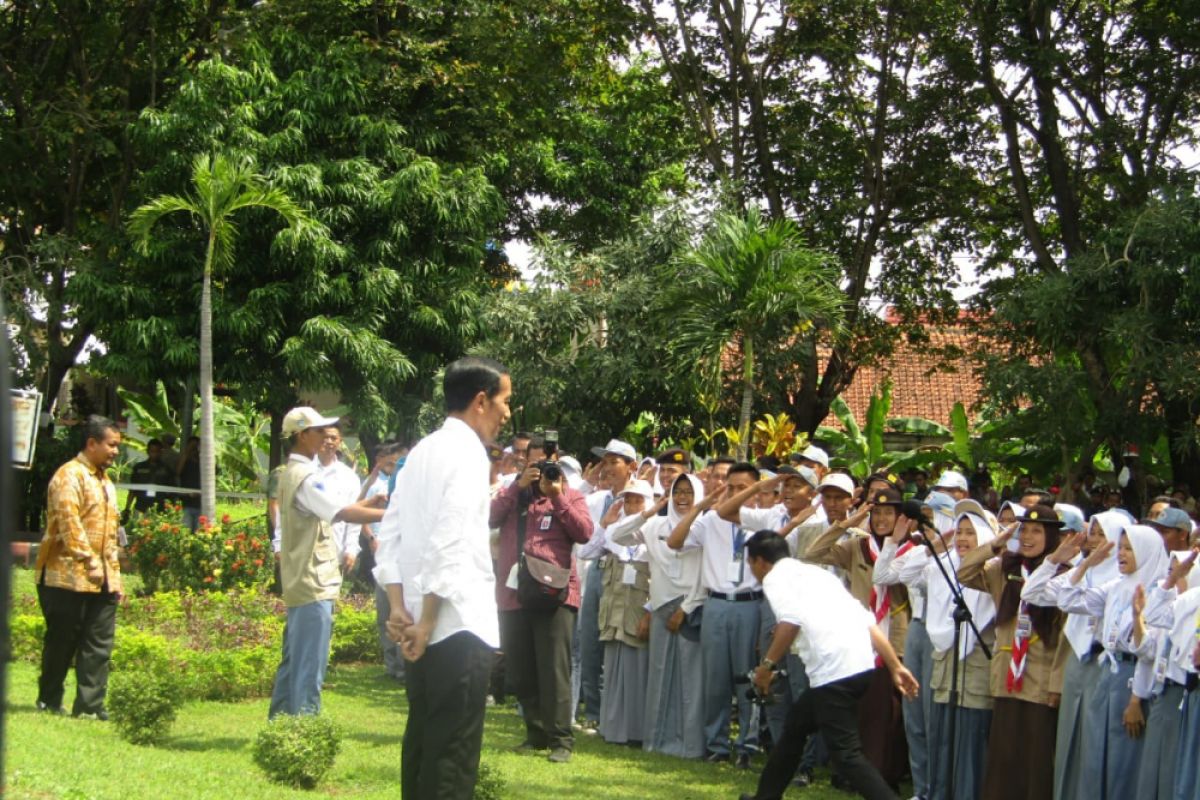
x=1171 y=518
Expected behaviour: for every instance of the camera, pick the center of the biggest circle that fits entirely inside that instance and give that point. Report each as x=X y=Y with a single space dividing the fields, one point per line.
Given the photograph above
x=550 y=447
x=550 y=470
x=752 y=692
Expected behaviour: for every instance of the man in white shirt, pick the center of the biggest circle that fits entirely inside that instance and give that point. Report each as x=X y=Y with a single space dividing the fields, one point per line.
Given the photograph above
x=730 y=626
x=837 y=638
x=342 y=482
x=434 y=561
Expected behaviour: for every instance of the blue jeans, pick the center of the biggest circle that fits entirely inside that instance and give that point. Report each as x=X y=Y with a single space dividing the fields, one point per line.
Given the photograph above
x=305 y=655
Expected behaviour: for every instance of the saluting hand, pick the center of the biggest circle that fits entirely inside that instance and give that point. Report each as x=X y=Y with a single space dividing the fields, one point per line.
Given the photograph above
x=1067 y=549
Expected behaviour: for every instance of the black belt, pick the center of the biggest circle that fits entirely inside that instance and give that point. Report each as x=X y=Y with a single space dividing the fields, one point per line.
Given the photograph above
x=1096 y=650
x=1191 y=682
x=737 y=598
x=1125 y=657
x=1168 y=683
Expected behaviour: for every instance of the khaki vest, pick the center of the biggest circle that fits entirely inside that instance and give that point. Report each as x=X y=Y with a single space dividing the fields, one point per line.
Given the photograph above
x=308 y=555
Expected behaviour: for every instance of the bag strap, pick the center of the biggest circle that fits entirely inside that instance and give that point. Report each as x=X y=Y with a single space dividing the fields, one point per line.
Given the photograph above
x=522 y=520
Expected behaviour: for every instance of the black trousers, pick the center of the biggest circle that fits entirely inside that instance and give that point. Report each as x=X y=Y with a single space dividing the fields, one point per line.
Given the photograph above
x=537 y=656
x=831 y=709
x=79 y=630
x=447 y=694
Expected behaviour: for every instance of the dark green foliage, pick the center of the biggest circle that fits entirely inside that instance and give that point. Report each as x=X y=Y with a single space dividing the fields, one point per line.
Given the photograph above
x=299 y=750
x=355 y=637
x=142 y=702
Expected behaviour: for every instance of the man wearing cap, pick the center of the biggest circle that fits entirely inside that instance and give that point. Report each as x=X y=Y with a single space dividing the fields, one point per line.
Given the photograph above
x=814 y=458
x=617 y=460
x=880 y=724
x=729 y=632
x=954 y=484
x=671 y=464
x=543 y=519
x=797 y=488
x=1175 y=527
x=308 y=564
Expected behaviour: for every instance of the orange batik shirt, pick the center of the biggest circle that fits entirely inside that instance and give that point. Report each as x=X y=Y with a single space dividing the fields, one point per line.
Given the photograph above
x=81 y=522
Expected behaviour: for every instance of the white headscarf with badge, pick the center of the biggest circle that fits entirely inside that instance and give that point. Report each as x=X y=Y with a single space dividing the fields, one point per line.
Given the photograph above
x=939 y=620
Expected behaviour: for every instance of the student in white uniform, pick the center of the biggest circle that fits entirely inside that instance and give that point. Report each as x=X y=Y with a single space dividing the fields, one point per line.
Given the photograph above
x=674 y=695
x=729 y=631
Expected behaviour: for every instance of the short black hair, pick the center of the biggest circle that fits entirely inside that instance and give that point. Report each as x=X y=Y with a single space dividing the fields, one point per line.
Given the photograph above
x=721 y=460
x=97 y=427
x=536 y=443
x=767 y=462
x=521 y=435
x=767 y=545
x=744 y=466
x=153 y=443
x=1044 y=497
x=469 y=376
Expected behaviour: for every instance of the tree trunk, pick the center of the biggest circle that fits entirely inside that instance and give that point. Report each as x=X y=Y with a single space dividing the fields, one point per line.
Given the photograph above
x=747 y=396
x=208 y=459
x=275 y=457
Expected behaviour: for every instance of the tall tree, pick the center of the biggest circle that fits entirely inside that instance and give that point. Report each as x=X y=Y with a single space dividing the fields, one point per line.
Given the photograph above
x=1095 y=103
x=833 y=115
x=221 y=188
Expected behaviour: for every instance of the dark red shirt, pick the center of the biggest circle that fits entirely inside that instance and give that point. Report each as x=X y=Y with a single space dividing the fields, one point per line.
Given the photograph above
x=552 y=529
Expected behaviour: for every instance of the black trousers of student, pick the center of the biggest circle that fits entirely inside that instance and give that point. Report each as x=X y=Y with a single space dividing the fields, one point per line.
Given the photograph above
x=79 y=630
x=537 y=656
x=447 y=694
x=831 y=709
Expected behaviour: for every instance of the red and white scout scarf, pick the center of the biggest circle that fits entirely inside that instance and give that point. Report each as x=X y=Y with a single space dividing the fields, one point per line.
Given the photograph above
x=881 y=596
x=1020 y=648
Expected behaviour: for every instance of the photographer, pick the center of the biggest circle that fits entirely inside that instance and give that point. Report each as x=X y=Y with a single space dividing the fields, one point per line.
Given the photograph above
x=540 y=519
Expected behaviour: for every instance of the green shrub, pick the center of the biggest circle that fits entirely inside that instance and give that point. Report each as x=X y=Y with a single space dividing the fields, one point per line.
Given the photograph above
x=355 y=637
x=298 y=751
x=26 y=632
x=226 y=675
x=490 y=784
x=142 y=704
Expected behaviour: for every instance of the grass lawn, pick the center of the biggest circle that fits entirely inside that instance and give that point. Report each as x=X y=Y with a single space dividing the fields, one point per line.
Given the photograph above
x=207 y=754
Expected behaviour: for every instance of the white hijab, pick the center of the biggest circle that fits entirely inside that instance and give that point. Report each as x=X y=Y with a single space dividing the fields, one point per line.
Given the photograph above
x=674 y=517
x=939 y=617
x=1152 y=564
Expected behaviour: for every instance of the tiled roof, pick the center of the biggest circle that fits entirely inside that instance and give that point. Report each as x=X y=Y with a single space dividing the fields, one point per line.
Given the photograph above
x=928 y=378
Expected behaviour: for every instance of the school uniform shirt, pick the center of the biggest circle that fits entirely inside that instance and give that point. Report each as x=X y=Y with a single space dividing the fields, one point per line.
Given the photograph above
x=434 y=536
x=1174 y=614
x=553 y=526
x=343 y=484
x=853 y=554
x=723 y=564
x=1043 y=676
x=834 y=638
x=673 y=573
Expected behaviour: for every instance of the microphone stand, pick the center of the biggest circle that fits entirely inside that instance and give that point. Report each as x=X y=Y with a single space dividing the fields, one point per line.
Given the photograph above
x=961 y=614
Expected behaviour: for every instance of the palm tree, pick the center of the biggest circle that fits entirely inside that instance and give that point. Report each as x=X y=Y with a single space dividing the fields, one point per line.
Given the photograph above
x=221 y=187
x=750 y=282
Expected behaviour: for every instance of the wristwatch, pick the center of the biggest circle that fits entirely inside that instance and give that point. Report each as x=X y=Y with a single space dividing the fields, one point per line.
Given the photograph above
x=768 y=663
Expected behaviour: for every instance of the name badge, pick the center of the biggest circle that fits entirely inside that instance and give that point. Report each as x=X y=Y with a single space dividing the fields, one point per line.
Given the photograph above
x=629 y=576
x=511 y=583
x=546 y=522
x=1110 y=643
x=1024 y=626
x=733 y=572
x=1160 y=670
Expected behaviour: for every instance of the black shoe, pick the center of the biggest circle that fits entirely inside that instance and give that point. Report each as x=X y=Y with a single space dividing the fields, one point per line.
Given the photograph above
x=838 y=782
x=743 y=761
x=716 y=758
x=49 y=709
x=803 y=779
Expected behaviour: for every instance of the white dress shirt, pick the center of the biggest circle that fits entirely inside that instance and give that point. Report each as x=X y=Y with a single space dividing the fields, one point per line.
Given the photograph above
x=434 y=535
x=342 y=482
x=834 y=640
x=723 y=568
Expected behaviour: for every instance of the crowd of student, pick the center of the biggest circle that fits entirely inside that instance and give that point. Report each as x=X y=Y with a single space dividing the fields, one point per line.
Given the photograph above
x=1074 y=677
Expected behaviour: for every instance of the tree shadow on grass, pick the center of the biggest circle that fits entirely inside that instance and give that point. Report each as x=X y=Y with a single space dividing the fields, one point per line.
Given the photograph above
x=201 y=744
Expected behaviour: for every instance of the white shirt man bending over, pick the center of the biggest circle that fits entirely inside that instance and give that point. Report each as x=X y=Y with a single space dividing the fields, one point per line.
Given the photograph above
x=819 y=620
x=435 y=563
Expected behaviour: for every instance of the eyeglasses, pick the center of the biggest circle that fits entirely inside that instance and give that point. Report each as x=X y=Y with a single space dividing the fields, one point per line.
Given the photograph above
x=689 y=492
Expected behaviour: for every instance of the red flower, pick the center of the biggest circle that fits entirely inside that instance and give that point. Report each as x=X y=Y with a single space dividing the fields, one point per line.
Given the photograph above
x=258 y=562
x=226 y=519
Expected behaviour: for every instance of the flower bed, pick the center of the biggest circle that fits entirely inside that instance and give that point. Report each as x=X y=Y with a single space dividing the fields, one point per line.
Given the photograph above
x=224 y=555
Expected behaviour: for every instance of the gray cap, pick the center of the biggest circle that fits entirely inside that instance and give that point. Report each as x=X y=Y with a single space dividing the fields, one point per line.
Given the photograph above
x=1171 y=517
